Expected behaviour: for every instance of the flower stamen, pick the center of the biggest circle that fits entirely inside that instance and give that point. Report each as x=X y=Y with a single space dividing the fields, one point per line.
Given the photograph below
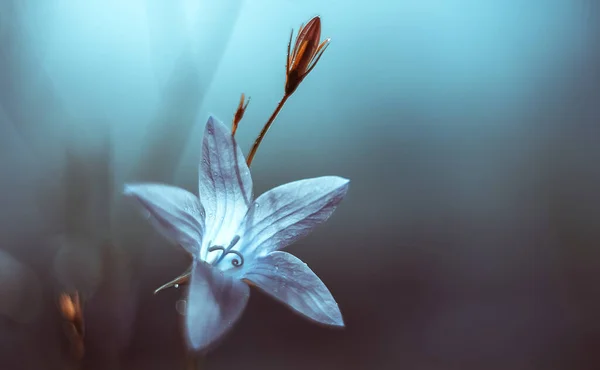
x=235 y=262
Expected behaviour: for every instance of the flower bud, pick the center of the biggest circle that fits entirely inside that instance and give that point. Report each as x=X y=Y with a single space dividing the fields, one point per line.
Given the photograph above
x=306 y=53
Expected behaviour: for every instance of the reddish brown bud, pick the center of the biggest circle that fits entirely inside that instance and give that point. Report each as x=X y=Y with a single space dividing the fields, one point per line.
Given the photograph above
x=307 y=51
x=239 y=113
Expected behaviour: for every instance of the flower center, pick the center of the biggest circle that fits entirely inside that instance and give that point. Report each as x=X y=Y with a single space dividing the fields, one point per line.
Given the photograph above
x=236 y=261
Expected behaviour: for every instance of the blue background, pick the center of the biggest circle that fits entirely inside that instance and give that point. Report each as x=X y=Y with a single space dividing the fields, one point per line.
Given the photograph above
x=469 y=129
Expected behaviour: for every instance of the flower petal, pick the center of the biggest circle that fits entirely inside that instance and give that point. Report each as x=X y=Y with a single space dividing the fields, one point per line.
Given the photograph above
x=225 y=182
x=176 y=213
x=215 y=302
x=292 y=282
x=288 y=212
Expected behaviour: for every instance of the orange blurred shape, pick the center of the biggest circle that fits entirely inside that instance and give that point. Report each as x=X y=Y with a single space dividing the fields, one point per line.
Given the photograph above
x=67 y=306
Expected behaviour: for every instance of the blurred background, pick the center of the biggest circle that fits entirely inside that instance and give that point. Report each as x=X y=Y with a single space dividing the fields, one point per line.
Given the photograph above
x=470 y=238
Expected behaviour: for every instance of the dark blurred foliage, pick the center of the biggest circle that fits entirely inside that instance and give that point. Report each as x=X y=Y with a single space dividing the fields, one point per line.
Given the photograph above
x=470 y=238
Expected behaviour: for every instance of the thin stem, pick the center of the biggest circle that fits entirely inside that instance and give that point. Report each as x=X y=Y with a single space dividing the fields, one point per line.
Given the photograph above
x=266 y=128
x=194 y=362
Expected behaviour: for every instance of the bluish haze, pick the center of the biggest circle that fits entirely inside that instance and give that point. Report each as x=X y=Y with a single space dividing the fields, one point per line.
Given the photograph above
x=469 y=129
